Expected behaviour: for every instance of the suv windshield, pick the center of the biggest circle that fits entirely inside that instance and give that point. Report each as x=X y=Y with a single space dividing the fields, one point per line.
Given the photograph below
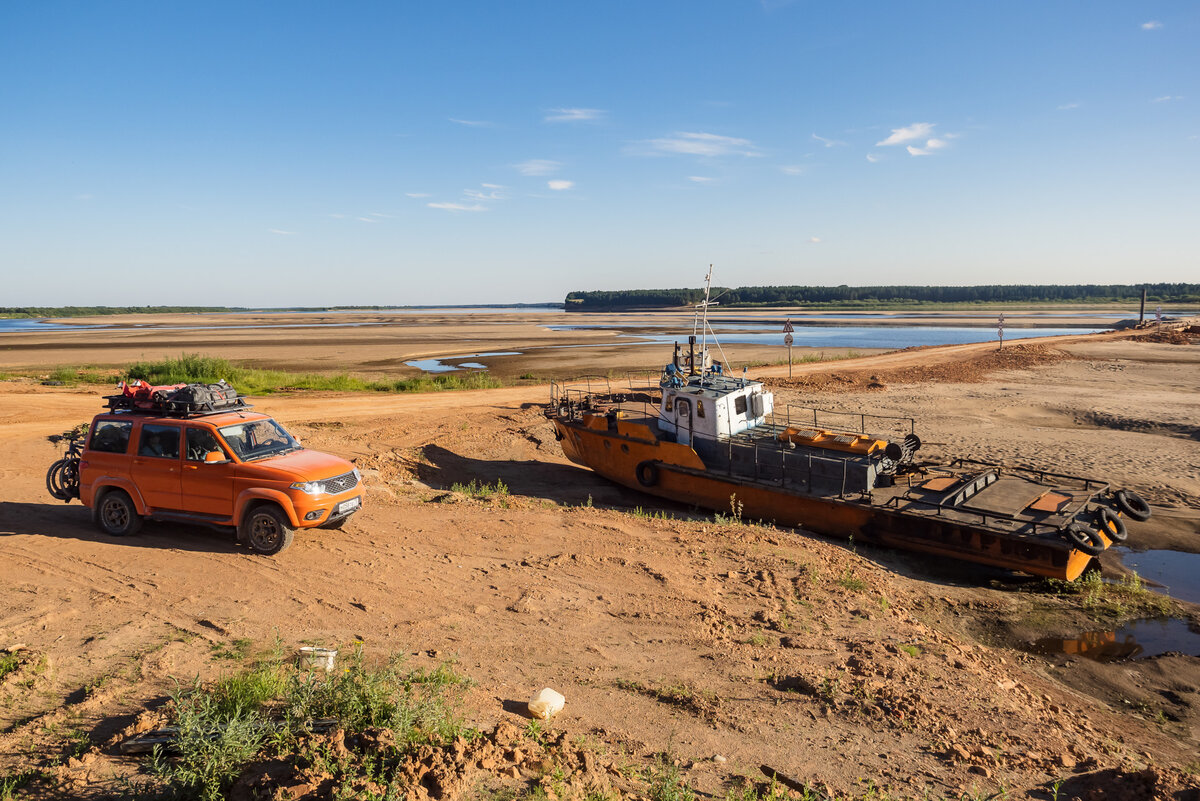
x=258 y=439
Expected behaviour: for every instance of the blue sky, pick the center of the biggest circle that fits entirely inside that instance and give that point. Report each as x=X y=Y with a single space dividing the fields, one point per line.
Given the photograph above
x=400 y=153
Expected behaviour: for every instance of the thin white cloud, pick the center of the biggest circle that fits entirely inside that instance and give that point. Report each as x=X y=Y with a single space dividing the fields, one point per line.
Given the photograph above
x=1166 y=98
x=827 y=142
x=703 y=144
x=416 y=194
x=457 y=206
x=84 y=196
x=492 y=186
x=475 y=194
x=918 y=130
x=793 y=169
x=381 y=215
x=281 y=233
x=931 y=146
x=700 y=179
x=1152 y=25
x=558 y=185
x=871 y=157
x=472 y=123
x=1069 y=106
x=366 y=219
x=538 y=167
x=814 y=240
x=573 y=114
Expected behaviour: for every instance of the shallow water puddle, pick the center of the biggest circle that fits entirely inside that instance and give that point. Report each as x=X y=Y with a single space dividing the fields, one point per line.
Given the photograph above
x=442 y=365
x=1140 y=639
x=1177 y=572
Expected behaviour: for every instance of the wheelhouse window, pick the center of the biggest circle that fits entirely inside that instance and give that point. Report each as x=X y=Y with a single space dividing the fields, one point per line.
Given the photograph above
x=111 y=436
x=258 y=439
x=739 y=404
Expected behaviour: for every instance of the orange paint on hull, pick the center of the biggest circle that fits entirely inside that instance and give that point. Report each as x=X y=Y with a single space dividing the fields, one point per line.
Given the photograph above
x=679 y=474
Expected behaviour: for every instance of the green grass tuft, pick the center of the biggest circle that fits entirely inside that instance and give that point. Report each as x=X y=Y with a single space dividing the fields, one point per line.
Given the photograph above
x=1122 y=598
x=269 y=709
x=480 y=490
x=192 y=368
x=9 y=664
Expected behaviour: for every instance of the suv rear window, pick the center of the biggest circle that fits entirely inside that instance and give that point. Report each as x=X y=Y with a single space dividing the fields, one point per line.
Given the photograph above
x=111 y=436
x=160 y=441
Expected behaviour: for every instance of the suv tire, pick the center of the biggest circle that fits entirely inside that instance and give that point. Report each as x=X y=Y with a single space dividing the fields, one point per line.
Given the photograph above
x=116 y=515
x=266 y=530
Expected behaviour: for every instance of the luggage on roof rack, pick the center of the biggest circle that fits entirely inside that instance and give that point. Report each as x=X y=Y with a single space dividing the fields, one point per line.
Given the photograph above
x=176 y=399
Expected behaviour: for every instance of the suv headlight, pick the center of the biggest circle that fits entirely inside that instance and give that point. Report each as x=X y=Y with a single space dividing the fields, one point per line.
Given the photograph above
x=310 y=487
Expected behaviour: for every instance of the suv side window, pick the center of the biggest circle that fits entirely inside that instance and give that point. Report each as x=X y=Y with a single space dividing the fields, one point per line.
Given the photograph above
x=161 y=441
x=111 y=436
x=201 y=441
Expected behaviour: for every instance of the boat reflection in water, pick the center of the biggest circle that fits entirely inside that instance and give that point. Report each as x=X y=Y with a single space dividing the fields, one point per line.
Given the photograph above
x=1099 y=646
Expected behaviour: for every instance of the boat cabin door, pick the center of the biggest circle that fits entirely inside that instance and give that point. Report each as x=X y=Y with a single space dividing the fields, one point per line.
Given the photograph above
x=683 y=421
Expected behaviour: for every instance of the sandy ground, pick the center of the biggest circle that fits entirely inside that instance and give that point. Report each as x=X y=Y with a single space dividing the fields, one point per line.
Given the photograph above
x=831 y=663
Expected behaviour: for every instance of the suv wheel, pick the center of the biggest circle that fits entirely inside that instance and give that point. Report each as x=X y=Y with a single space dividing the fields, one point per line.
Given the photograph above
x=266 y=530
x=116 y=515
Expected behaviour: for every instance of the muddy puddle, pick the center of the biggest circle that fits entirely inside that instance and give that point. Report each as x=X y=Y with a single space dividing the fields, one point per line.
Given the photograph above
x=1173 y=573
x=1140 y=639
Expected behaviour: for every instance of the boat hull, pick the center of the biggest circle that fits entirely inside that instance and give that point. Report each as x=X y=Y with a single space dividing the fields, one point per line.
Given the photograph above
x=631 y=455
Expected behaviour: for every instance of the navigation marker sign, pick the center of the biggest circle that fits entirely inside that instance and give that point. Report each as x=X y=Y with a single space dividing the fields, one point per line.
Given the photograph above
x=1000 y=330
x=787 y=340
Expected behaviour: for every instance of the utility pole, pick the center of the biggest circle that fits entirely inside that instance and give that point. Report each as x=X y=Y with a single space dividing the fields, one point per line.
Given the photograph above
x=787 y=340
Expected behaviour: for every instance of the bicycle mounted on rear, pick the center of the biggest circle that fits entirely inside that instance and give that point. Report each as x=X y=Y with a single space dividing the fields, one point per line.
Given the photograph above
x=62 y=479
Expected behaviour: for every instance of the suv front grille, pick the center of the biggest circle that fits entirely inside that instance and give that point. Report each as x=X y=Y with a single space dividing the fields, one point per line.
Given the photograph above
x=346 y=481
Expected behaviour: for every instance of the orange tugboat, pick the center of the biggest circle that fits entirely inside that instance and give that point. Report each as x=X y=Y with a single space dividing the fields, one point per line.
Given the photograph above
x=702 y=437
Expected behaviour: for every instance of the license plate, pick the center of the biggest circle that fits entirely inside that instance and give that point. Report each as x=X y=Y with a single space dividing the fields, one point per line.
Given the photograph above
x=347 y=506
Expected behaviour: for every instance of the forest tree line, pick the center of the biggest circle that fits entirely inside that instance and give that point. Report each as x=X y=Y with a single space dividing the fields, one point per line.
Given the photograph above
x=880 y=295
x=90 y=311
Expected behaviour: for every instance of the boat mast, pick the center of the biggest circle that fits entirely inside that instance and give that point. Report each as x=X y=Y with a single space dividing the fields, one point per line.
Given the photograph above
x=704 y=320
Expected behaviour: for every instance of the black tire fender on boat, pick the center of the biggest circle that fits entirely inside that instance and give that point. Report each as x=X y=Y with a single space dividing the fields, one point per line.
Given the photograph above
x=647 y=473
x=1132 y=505
x=1112 y=526
x=1085 y=538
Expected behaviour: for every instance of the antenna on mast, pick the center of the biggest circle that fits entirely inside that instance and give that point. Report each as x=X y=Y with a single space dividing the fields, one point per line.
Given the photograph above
x=704 y=321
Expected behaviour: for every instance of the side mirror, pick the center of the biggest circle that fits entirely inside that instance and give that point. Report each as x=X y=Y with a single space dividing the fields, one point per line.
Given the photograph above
x=214 y=457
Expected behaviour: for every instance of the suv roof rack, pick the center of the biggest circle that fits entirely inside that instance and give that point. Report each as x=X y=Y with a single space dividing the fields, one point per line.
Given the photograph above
x=122 y=405
x=176 y=400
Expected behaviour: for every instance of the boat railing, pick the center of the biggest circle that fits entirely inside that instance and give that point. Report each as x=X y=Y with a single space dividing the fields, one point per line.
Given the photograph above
x=838 y=475
x=587 y=394
x=1091 y=485
x=843 y=421
x=984 y=517
x=579 y=388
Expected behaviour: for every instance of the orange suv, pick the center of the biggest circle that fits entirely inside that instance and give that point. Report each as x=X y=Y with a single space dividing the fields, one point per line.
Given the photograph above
x=224 y=467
